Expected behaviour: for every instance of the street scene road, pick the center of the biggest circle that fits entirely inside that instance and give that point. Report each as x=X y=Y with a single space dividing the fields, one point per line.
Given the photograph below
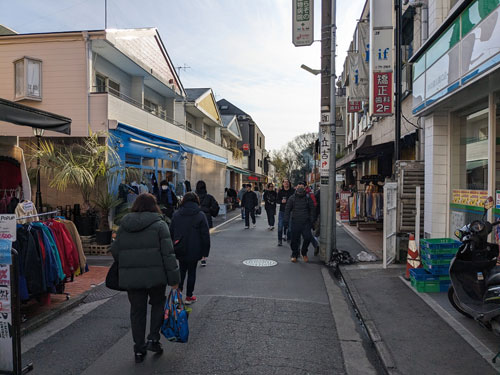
x=248 y=320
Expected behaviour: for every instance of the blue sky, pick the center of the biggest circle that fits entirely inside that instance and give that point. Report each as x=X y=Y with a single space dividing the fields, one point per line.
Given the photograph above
x=242 y=49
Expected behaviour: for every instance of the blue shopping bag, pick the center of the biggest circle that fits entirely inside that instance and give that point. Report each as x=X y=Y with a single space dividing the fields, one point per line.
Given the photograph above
x=175 y=325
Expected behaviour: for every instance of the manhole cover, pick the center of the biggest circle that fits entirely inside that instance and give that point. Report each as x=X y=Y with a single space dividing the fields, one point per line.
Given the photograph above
x=260 y=262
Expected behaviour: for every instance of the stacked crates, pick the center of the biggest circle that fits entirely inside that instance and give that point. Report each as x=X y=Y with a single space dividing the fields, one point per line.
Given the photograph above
x=436 y=255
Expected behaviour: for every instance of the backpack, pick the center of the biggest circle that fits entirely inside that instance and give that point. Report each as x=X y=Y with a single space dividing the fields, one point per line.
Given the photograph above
x=175 y=326
x=214 y=206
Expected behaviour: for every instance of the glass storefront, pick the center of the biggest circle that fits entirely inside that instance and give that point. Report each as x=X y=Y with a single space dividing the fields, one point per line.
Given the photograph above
x=469 y=165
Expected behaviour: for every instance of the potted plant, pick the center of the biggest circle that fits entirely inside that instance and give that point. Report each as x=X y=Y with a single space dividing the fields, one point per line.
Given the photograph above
x=87 y=164
x=105 y=202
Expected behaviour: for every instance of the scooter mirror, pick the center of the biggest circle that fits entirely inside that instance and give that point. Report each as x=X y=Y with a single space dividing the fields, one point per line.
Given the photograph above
x=488 y=203
x=458 y=234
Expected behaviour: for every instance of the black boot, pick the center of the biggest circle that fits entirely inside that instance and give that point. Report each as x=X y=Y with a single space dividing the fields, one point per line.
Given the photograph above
x=139 y=356
x=154 y=346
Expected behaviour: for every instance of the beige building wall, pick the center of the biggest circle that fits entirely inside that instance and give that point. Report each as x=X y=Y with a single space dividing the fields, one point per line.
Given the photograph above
x=64 y=78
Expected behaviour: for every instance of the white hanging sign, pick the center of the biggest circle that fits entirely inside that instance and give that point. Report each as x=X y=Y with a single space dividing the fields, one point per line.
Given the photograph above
x=303 y=23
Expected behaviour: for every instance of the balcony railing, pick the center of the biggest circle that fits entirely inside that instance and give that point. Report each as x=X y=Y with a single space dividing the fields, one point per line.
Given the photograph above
x=208 y=138
x=158 y=112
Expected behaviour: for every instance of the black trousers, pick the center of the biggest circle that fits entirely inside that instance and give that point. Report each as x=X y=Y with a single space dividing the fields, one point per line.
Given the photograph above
x=188 y=268
x=138 y=310
x=249 y=213
x=300 y=229
x=271 y=212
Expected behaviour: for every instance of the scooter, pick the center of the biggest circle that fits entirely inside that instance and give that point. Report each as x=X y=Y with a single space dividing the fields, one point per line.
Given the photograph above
x=475 y=277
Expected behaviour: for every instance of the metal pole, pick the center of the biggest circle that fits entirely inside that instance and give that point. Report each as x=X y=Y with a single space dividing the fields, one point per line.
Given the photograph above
x=38 y=197
x=105 y=14
x=397 y=123
x=331 y=241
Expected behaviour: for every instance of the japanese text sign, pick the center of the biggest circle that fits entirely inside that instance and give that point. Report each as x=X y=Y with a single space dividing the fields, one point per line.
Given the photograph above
x=382 y=93
x=8 y=227
x=303 y=23
x=354 y=106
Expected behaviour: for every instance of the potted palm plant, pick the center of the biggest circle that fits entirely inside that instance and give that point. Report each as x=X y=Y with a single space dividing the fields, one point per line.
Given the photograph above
x=86 y=165
x=105 y=202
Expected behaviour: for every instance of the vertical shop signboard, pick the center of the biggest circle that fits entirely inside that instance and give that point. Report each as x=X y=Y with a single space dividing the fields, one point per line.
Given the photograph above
x=344 y=205
x=382 y=94
x=303 y=23
x=7 y=236
x=6 y=329
x=324 y=158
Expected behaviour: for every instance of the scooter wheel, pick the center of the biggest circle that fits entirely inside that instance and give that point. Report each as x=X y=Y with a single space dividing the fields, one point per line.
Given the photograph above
x=455 y=303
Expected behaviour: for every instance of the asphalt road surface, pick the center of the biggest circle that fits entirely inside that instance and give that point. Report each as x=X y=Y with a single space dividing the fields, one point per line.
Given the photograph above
x=285 y=319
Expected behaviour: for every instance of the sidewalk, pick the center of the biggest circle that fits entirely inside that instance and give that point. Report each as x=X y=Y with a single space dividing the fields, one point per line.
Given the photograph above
x=409 y=335
x=77 y=290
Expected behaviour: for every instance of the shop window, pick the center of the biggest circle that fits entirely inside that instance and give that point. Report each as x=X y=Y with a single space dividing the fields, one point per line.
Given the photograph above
x=470 y=152
x=28 y=79
x=132 y=159
x=148 y=162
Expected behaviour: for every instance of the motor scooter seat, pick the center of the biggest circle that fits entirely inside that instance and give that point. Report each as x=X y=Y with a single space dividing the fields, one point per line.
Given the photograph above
x=494 y=277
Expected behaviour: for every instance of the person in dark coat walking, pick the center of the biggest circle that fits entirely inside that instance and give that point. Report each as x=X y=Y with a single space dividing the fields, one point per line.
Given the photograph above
x=208 y=204
x=283 y=195
x=300 y=209
x=146 y=264
x=270 y=197
x=167 y=199
x=189 y=226
x=249 y=202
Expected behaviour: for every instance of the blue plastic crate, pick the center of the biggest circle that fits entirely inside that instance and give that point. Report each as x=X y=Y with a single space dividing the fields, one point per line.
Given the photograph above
x=420 y=274
x=436 y=270
x=439 y=243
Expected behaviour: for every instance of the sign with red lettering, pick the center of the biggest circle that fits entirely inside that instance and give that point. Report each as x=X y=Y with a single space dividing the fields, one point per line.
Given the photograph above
x=354 y=106
x=253 y=178
x=382 y=93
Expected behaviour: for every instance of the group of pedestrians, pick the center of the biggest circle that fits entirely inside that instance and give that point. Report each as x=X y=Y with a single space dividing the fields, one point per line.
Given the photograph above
x=147 y=251
x=297 y=215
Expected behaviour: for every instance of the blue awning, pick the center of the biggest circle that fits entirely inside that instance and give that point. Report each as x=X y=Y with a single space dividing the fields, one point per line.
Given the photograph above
x=145 y=136
x=204 y=154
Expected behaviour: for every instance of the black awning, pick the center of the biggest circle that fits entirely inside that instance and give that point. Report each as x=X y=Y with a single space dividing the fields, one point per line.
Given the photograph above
x=28 y=116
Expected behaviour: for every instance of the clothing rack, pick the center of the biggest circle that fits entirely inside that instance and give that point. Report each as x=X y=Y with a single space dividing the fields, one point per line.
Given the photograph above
x=38 y=215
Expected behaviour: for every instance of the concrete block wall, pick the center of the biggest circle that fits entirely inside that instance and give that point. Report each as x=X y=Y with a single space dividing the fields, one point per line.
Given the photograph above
x=436 y=175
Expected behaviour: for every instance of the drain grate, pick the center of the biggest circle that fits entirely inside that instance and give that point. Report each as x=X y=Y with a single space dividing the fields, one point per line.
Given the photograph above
x=260 y=262
x=100 y=292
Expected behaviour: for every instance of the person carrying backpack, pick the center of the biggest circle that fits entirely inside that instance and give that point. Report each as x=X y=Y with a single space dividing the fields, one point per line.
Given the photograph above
x=270 y=197
x=208 y=206
x=300 y=209
x=191 y=237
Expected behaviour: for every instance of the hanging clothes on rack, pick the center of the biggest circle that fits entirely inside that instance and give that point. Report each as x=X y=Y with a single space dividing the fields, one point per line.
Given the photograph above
x=26 y=212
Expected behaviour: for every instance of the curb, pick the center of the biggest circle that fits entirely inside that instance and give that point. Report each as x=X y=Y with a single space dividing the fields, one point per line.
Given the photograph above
x=47 y=316
x=212 y=230
x=381 y=348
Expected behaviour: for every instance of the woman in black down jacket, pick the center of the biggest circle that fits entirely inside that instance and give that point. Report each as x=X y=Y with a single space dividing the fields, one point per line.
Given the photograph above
x=189 y=226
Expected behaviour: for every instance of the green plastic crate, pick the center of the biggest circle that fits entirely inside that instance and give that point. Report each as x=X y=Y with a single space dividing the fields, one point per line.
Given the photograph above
x=426 y=286
x=440 y=245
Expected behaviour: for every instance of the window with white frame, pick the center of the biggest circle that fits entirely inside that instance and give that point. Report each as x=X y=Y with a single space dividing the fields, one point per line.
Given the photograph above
x=28 y=79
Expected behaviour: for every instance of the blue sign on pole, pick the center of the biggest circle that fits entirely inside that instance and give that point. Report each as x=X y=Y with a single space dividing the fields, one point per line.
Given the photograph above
x=5 y=252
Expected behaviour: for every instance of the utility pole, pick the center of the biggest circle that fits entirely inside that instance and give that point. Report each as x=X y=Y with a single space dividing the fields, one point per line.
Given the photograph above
x=331 y=240
x=399 y=68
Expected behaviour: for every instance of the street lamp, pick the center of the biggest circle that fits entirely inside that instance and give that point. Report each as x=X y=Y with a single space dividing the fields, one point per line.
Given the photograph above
x=310 y=70
x=38 y=200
